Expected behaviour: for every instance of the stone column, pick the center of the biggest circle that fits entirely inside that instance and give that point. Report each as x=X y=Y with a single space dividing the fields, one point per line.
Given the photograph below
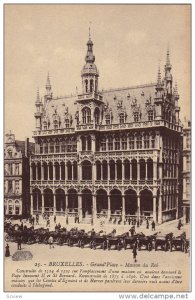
x=123 y=208
x=60 y=172
x=93 y=143
x=20 y=169
x=130 y=166
x=31 y=178
x=108 y=168
x=116 y=171
x=101 y=178
x=80 y=207
x=146 y=169
x=160 y=210
x=154 y=208
x=138 y=206
x=123 y=171
x=20 y=186
x=54 y=203
x=94 y=210
x=31 y=204
x=72 y=166
x=42 y=201
x=155 y=170
x=93 y=172
x=54 y=171
x=109 y=210
x=42 y=172
x=14 y=169
x=138 y=170
x=14 y=186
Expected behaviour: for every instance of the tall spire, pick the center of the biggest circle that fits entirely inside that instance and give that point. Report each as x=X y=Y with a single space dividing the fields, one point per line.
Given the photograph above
x=159 y=75
x=48 y=87
x=89 y=30
x=168 y=63
x=38 y=97
x=48 y=84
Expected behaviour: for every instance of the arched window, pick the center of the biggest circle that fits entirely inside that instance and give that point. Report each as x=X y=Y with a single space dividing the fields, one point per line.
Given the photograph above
x=86 y=112
x=86 y=170
x=131 y=142
x=91 y=85
x=146 y=141
x=103 y=144
x=97 y=115
x=153 y=141
x=89 y=143
x=51 y=147
x=110 y=143
x=124 y=143
x=86 y=85
x=83 y=143
x=139 y=142
x=46 y=147
x=117 y=143
x=57 y=146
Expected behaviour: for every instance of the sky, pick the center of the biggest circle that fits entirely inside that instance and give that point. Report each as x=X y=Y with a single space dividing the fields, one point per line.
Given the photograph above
x=130 y=41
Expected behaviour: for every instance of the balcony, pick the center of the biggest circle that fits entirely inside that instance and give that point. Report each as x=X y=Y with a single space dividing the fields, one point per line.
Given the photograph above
x=87 y=127
x=90 y=96
x=53 y=132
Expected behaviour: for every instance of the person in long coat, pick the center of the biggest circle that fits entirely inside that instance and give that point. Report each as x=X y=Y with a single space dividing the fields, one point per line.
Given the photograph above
x=7 y=252
x=135 y=252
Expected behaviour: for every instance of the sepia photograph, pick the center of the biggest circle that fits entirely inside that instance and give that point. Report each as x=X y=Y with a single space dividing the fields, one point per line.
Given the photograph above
x=97 y=148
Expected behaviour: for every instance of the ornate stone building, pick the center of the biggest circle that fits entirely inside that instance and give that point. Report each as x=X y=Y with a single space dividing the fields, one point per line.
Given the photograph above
x=16 y=176
x=108 y=155
x=186 y=170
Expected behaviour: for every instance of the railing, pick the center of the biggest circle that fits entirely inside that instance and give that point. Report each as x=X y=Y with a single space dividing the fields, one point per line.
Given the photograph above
x=53 y=131
x=90 y=96
x=92 y=126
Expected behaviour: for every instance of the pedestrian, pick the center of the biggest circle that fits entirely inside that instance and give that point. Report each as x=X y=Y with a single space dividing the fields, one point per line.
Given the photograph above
x=50 y=240
x=138 y=223
x=179 y=225
x=19 y=242
x=7 y=252
x=48 y=223
x=147 y=224
x=54 y=218
x=153 y=225
x=135 y=252
x=22 y=226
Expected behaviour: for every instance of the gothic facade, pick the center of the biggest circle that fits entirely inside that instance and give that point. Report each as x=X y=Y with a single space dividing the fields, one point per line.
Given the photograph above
x=16 y=176
x=186 y=170
x=108 y=155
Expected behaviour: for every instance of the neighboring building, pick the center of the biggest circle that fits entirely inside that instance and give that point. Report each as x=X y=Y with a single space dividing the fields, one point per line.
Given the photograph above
x=108 y=155
x=16 y=176
x=186 y=170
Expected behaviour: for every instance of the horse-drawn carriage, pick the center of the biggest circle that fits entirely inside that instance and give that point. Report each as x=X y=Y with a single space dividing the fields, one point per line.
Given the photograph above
x=162 y=241
x=145 y=241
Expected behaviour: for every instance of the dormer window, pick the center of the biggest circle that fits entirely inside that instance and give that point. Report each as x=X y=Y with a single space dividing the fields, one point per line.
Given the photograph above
x=122 y=118
x=55 y=124
x=136 y=116
x=108 y=119
x=150 y=115
x=67 y=123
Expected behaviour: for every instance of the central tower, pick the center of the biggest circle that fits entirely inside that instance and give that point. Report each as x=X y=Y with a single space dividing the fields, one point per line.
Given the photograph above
x=89 y=72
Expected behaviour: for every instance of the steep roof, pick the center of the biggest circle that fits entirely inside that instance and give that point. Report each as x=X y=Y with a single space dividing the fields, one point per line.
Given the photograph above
x=127 y=100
